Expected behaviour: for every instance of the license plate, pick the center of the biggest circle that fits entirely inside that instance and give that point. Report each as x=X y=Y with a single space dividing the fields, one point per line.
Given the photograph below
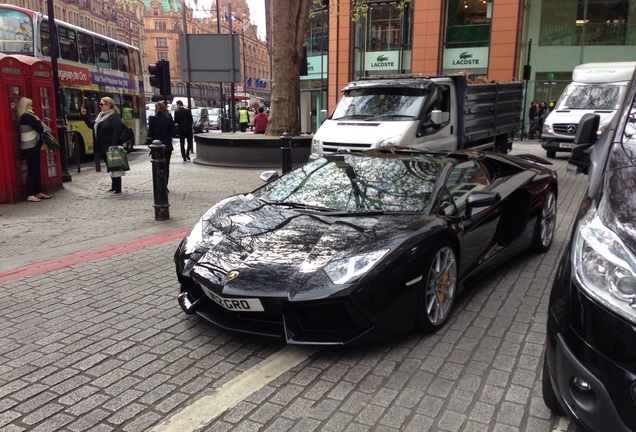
x=566 y=145
x=235 y=304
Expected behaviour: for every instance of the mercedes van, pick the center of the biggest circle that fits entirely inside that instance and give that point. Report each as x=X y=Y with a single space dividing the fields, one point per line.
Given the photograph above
x=596 y=88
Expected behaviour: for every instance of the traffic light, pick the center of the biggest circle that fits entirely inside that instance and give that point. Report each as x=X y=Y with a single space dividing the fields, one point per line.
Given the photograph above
x=160 y=77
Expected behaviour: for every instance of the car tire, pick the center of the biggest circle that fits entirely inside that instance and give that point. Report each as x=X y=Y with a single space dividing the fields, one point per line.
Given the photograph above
x=545 y=225
x=438 y=288
x=549 y=396
x=550 y=153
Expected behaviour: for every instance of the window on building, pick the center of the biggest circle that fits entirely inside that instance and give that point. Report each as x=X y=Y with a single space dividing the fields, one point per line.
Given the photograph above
x=586 y=22
x=383 y=39
x=160 y=25
x=468 y=23
x=162 y=55
x=162 y=42
x=155 y=11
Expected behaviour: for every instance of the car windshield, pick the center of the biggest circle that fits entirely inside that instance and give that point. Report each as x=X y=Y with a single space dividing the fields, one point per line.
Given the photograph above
x=359 y=183
x=385 y=103
x=196 y=112
x=214 y=112
x=592 y=97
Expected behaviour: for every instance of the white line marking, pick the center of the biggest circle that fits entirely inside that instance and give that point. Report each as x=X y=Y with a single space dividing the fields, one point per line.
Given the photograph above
x=206 y=409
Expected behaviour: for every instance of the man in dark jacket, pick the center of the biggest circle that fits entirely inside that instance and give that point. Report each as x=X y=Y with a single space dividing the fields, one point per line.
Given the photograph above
x=184 y=121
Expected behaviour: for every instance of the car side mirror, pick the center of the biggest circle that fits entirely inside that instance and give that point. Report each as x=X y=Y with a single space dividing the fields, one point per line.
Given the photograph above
x=436 y=117
x=584 y=140
x=480 y=199
x=268 y=176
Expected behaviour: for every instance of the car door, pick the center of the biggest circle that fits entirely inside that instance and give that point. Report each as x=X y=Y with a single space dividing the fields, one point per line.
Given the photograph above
x=476 y=226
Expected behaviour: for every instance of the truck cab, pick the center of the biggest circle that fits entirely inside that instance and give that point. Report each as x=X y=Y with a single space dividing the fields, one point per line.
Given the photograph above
x=429 y=113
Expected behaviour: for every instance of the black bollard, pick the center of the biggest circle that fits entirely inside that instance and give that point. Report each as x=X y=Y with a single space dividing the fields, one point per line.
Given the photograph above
x=286 y=149
x=159 y=187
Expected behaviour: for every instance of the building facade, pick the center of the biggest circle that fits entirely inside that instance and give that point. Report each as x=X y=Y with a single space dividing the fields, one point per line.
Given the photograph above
x=537 y=41
x=163 y=20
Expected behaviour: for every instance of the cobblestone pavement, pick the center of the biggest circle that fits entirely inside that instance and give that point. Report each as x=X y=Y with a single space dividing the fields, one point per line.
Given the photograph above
x=96 y=341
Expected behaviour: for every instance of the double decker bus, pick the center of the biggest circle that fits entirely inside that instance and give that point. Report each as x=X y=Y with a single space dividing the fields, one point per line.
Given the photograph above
x=90 y=66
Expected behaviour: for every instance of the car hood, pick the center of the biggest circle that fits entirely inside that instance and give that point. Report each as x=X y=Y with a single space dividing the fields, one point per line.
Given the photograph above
x=279 y=251
x=573 y=116
x=370 y=132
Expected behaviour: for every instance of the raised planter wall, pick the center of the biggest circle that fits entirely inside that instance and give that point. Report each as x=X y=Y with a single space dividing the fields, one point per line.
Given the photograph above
x=247 y=150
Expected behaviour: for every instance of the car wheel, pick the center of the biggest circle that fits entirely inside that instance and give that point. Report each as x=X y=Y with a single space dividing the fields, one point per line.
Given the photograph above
x=549 y=396
x=550 y=153
x=438 y=288
x=546 y=223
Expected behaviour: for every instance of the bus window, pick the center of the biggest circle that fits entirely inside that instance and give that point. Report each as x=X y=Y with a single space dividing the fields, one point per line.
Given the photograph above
x=73 y=101
x=91 y=103
x=116 y=98
x=112 y=55
x=68 y=43
x=45 y=38
x=122 y=59
x=127 y=107
x=16 y=32
x=85 y=44
x=101 y=52
x=135 y=63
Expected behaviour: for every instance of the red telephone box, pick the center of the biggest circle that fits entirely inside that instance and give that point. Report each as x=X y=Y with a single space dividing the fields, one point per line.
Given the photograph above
x=13 y=86
x=41 y=90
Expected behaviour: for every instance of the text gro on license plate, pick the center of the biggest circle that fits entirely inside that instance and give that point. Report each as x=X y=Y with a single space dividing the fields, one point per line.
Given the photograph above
x=235 y=304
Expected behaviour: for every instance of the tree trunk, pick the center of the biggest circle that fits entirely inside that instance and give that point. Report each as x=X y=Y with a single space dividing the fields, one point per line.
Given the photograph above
x=290 y=22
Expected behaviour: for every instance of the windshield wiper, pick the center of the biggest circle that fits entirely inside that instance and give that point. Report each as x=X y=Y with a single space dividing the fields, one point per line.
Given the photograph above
x=353 y=116
x=390 y=116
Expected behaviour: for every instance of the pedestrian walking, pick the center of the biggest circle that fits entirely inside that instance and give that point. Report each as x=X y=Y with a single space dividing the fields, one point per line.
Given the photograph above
x=106 y=130
x=31 y=130
x=243 y=119
x=260 y=121
x=161 y=127
x=542 y=114
x=532 y=118
x=183 y=119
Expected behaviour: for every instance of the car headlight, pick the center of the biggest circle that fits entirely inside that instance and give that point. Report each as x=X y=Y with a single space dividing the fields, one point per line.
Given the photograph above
x=344 y=270
x=387 y=142
x=604 y=267
x=316 y=148
x=547 y=128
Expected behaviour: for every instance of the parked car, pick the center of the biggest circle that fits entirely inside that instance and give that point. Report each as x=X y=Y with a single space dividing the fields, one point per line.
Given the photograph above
x=355 y=246
x=589 y=369
x=201 y=120
x=214 y=115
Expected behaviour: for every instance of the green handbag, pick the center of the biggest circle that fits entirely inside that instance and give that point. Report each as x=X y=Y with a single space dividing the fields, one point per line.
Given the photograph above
x=116 y=159
x=50 y=141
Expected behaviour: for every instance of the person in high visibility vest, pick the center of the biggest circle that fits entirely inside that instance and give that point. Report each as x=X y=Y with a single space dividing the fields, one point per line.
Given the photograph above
x=244 y=119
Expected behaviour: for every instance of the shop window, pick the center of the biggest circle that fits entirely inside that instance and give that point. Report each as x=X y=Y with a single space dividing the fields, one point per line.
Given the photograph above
x=585 y=22
x=468 y=23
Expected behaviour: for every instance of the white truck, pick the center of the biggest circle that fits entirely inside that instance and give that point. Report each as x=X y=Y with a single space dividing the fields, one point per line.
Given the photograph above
x=432 y=113
x=596 y=88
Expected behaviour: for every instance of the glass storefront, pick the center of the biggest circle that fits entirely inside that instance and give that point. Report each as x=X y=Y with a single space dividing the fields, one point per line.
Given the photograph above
x=383 y=40
x=467 y=36
x=587 y=22
x=313 y=86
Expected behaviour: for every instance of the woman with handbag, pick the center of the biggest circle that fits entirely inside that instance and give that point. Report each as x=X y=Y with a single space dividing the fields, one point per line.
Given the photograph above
x=106 y=130
x=31 y=130
x=161 y=127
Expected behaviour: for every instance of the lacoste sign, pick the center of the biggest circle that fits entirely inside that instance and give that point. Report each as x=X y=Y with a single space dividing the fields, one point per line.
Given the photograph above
x=465 y=59
x=384 y=60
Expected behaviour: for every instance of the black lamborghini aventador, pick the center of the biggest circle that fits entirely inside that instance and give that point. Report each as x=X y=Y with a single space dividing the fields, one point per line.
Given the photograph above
x=357 y=246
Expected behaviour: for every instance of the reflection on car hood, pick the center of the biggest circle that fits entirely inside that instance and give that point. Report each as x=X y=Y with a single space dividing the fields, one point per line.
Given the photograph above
x=279 y=251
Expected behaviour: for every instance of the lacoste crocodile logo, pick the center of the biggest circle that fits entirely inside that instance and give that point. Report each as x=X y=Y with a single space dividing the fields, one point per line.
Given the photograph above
x=465 y=55
x=382 y=58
